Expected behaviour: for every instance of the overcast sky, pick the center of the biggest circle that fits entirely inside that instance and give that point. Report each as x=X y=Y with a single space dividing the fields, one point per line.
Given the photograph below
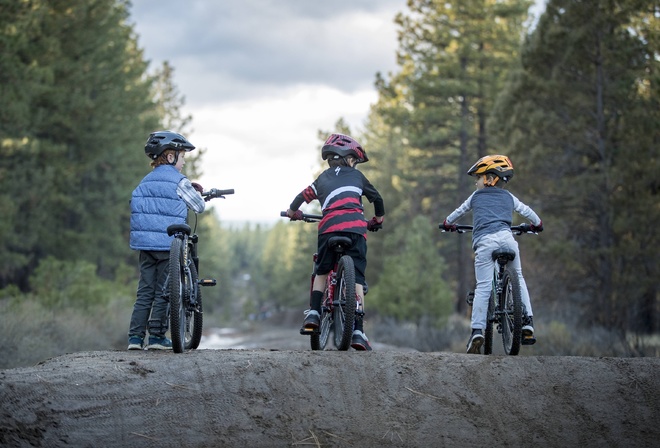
x=261 y=77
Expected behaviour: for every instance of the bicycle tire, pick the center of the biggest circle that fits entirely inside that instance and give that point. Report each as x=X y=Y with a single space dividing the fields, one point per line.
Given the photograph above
x=176 y=294
x=337 y=324
x=345 y=299
x=194 y=317
x=319 y=341
x=490 y=318
x=511 y=317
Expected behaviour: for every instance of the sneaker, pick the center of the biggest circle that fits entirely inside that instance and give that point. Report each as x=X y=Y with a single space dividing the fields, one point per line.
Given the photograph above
x=135 y=343
x=528 y=331
x=159 y=343
x=360 y=341
x=475 y=342
x=312 y=322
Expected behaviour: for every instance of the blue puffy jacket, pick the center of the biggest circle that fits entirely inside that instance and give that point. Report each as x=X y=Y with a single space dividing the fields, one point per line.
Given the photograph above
x=155 y=205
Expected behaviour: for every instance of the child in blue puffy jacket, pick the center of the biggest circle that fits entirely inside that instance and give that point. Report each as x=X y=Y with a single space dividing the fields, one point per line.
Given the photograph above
x=162 y=198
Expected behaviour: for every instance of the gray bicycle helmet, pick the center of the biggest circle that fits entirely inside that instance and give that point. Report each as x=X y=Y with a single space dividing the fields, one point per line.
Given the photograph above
x=343 y=145
x=159 y=141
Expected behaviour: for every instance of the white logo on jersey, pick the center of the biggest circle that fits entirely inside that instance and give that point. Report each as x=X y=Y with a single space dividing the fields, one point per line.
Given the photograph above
x=337 y=171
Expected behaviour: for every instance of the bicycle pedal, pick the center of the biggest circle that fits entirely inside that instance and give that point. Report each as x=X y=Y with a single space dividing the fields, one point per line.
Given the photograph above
x=528 y=340
x=306 y=331
x=207 y=282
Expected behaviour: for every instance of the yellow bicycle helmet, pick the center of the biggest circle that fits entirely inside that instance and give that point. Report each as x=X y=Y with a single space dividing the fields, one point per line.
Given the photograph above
x=499 y=165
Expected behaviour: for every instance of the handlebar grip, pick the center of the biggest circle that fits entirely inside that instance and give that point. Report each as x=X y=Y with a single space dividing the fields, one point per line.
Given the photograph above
x=223 y=192
x=305 y=217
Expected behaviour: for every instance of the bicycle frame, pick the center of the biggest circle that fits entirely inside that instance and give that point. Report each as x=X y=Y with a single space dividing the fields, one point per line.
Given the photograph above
x=334 y=308
x=505 y=307
x=182 y=283
x=337 y=311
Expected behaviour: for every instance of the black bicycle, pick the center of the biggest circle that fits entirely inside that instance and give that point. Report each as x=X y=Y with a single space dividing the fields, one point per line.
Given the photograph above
x=340 y=301
x=505 y=307
x=182 y=283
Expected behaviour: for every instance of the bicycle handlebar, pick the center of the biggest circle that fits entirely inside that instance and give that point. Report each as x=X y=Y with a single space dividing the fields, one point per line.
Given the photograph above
x=215 y=193
x=518 y=230
x=306 y=217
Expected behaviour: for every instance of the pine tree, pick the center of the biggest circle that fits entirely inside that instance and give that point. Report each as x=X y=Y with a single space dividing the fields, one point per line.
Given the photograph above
x=453 y=57
x=81 y=109
x=582 y=115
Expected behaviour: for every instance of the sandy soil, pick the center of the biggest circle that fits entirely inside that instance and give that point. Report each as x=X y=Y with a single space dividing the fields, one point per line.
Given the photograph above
x=259 y=396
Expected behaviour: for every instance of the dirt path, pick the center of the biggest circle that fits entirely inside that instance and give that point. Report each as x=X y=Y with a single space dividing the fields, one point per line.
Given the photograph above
x=261 y=397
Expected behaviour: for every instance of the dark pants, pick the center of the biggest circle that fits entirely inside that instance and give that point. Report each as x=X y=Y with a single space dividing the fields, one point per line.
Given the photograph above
x=358 y=252
x=150 y=309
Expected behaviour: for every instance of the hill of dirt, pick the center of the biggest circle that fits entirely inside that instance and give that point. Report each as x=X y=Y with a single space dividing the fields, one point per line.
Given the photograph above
x=270 y=398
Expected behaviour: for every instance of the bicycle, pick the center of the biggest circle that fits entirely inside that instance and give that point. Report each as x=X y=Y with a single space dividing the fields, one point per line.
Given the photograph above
x=340 y=302
x=505 y=307
x=182 y=283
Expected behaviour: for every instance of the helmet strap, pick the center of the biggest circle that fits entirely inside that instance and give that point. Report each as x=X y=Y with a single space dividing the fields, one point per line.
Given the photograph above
x=176 y=159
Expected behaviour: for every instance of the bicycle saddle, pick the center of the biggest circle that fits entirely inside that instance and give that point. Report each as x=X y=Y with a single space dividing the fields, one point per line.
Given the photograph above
x=339 y=241
x=504 y=254
x=174 y=228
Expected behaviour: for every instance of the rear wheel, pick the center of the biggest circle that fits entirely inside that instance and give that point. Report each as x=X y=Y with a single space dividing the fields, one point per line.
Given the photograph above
x=511 y=307
x=177 y=293
x=345 y=303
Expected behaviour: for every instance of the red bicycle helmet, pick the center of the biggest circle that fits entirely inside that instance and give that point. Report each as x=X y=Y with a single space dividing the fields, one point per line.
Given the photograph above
x=343 y=145
x=159 y=141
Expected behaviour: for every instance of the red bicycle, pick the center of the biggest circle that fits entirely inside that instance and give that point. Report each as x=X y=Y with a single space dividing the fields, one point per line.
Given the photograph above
x=340 y=302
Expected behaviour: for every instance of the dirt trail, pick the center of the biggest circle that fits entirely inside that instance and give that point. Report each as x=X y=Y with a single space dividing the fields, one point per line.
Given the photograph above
x=266 y=398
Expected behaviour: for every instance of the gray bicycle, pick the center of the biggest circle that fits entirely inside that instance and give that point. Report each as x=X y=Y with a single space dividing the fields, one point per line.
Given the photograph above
x=505 y=307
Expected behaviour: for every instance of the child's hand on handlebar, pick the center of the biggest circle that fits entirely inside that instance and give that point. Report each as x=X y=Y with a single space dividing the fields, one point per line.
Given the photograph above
x=197 y=187
x=538 y=228
x=373 y=225
x=294 y=216
x=448 y=227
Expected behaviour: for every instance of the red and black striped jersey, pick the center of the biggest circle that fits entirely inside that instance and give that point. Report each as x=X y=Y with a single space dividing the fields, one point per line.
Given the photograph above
x=340 y=190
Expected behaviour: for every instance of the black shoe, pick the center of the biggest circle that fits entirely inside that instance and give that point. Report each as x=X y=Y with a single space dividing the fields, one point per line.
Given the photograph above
x=360 y=341
x=311 y=323
x=528 y=331
x=475 y=342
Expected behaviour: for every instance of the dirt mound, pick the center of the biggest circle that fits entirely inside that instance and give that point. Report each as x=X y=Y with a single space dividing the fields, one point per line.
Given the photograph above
x=289 y=398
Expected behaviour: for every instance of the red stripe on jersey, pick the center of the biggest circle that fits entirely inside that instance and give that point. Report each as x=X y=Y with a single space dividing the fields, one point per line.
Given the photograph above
x=345 y=201
x=308 y=194
x=345 y=226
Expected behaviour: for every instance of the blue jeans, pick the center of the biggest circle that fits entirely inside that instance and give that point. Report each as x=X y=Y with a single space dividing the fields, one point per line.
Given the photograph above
x=150 y=309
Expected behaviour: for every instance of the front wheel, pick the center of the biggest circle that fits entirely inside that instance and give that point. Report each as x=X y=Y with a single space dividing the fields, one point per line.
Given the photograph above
x=345 y=303
x=194 y=316
x=511 y=308
x=488 y=333
x=319 y=340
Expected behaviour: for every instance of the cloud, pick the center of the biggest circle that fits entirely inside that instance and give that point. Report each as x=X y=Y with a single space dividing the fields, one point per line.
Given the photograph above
x=268 y=150
x=261 y=78
x=241 y=48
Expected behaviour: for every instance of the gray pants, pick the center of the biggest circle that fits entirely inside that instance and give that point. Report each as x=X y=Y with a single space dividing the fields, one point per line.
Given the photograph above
x=483 y=271
x=150 y=309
